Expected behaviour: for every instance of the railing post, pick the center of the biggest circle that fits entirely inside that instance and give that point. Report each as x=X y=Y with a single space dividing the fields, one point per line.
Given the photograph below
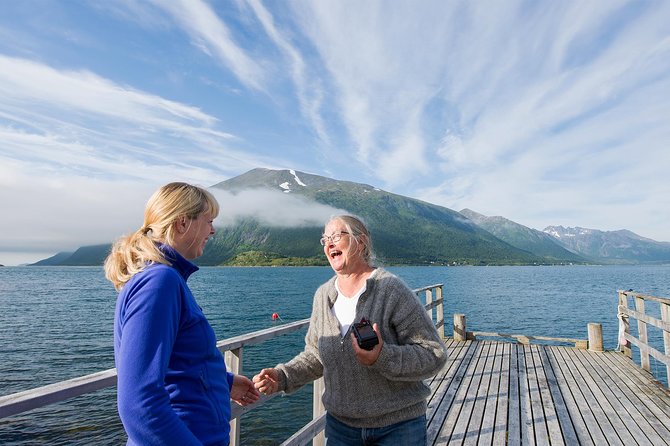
x=440 y=312
x=623 y=304
x=233 y=359
x=595 y=337
x=459 y=327
x=429 y=300
x=642 y=333
x=318 y=409
x=665 y=316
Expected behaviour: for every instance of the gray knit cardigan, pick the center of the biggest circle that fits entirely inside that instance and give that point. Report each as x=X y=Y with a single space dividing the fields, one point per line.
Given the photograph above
x=390 y=390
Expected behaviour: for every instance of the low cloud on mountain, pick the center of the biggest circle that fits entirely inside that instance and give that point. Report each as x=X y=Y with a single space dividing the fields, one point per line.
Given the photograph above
x=272 y=208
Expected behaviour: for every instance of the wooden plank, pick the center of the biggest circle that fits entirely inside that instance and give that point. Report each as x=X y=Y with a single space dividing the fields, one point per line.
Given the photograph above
x=642 y=334
x=233 y=360
x=440 y=428
x=310 y=430
x=665 y=316
x=645 y=297
x=549 y=414
x=624 y=324
x=646 y=395
x=647 y=350
x=260 y=336
x=500 y=432
x=41 y=396
x=442 y=380
x=647 y=382
x=439 y=402
x=492 y=394
x=661 y=324
x=454 y=351
x=617 y=414
x=641 y=422
x=526 y=339
x=591 y=432
x=501 y=393
x=594 y=402
x=474 y=429
x=469 y=394
x=514 y=410
x=525 y=389
x=568 y=412
x=536 y=410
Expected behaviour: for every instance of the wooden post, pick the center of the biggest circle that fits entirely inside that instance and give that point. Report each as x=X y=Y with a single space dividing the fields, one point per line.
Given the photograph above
x=429 y=300
x=642 y=334
x=233 y=359
x=595 y=337
x=440 y=312
x=623 y=305
x=665 y=316
x=459 y=327
x=318 y=410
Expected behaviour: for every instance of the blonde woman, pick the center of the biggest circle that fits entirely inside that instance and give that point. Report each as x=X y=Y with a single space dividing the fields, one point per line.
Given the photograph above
x=374 y=394
x=173 y=387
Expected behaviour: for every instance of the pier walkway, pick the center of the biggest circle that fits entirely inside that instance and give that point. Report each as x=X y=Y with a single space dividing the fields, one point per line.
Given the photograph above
x=503 y=393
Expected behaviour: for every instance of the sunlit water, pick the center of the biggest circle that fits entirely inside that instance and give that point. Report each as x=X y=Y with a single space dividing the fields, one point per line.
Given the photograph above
x=56 y=324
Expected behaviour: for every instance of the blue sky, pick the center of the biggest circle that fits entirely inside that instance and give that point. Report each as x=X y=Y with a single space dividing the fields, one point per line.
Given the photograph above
x=546 y=113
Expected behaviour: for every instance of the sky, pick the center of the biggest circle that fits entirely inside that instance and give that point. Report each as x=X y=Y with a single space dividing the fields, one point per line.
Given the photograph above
x=545 y=113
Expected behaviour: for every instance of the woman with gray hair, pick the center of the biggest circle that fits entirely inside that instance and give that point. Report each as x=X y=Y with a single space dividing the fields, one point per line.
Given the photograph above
x=374 y=393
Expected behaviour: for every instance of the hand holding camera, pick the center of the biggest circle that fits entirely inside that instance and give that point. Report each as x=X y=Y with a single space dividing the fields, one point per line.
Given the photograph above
x=367 y=341
x=365 y=335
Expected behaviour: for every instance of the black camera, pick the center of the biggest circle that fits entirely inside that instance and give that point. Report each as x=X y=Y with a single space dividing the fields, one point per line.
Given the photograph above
x=365 y=335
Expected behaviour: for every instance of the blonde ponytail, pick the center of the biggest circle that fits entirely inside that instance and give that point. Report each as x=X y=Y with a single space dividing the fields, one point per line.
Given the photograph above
x=130 y=254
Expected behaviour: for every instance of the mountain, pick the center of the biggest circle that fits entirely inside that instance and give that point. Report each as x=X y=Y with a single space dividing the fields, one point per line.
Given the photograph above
x=523 y=237
x=84 y=256
x=620 y=246
x=404 y=230
x=53 y=260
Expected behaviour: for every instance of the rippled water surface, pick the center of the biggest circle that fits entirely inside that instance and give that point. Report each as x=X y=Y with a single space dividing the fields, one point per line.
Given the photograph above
x=56 y=324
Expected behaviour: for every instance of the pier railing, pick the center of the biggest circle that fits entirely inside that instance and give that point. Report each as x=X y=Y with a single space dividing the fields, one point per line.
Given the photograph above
x=593 y=343
x=233 y=349
x=639 y=311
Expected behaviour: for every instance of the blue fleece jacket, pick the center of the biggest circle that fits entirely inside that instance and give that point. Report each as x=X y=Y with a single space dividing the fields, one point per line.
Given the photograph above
x=173 y=387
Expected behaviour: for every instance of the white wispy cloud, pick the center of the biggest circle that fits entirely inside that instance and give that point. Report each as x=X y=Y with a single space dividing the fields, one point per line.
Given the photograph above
x=211 y=35
x=308 y=88
x=50 y=114
x=514 y=106
x=80 y=154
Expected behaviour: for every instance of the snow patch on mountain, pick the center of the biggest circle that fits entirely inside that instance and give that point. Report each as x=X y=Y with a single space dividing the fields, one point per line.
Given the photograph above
x=297 y=180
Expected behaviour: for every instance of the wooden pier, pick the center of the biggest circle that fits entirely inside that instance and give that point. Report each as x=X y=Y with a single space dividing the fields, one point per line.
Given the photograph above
x=491 y=392
x=501 y=393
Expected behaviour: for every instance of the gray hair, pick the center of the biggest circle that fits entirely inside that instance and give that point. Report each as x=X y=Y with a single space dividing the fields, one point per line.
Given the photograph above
x=360 y=233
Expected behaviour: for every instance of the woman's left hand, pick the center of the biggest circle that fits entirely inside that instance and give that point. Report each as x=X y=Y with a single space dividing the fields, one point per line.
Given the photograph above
x=243 y=391
x=368 y=357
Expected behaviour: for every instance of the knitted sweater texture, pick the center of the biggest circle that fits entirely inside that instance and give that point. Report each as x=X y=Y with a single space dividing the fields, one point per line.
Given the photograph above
x=390 y=390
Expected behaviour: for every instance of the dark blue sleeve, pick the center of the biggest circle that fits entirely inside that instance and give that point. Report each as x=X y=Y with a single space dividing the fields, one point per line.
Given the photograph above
x=149 y=326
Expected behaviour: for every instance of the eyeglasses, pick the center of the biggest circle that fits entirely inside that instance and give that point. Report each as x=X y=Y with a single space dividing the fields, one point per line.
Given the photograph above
x=332 y=238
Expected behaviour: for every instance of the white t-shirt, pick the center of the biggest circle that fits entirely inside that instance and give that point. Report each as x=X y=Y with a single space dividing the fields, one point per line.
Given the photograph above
x=344 y=308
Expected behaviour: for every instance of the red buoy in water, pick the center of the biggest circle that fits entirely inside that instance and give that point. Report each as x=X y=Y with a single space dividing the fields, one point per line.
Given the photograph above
x=275 y=316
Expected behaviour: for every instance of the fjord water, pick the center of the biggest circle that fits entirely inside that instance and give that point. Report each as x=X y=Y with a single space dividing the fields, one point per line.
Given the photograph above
x=56 y=324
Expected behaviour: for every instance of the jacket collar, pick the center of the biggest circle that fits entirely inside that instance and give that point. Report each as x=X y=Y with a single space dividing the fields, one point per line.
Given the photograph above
x=184 y=267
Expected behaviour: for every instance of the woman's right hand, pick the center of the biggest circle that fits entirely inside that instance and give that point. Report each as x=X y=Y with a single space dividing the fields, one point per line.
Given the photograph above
x=267 y=381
